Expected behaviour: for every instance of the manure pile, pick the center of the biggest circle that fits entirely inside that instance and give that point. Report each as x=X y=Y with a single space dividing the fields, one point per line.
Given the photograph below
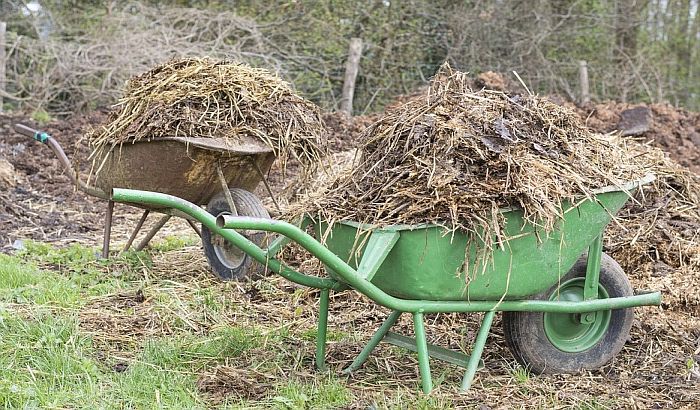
x=454 y=156
x=203 y=98
x=657 y=241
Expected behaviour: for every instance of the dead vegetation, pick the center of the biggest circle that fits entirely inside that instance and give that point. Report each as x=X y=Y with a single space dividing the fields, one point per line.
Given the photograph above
x=657 y=241
x=90 y=68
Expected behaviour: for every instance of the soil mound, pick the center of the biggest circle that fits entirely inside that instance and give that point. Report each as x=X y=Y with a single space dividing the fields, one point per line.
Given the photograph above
x=675 y=130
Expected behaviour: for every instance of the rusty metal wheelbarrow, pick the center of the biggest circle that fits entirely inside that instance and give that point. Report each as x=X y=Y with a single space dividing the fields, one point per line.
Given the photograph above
x=213 y=172
x=565 y=303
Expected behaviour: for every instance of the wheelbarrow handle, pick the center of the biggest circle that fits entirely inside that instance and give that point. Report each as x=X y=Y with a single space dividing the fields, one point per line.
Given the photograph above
x=38 y=135
x=45 y=138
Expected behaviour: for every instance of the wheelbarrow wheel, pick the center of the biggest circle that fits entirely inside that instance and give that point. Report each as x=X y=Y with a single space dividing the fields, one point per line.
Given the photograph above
x=559 y=342
x=228 y=262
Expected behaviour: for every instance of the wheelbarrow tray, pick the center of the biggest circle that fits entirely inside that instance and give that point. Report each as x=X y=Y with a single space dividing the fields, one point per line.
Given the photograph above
x=183 y=167
x=428 y=262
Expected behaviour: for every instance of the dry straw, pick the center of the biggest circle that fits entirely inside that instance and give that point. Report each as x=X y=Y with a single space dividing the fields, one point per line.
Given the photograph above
x=204 y=98
x=455 y=156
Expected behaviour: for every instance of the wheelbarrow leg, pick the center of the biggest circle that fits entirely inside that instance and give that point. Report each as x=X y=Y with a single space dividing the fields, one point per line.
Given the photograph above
x=136 y=231
x=479 y=344
x=152 y=232
x=423 y=357
x=373 y=342
x=108 y=229
x=194 y=227
x=321 y=333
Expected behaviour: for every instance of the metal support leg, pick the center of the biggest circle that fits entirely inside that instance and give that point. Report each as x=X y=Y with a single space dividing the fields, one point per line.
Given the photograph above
x=590 y=288
x=321 y=333
x=108 y=229
x=194 y=227
x=479 y=344
x=136 y=231
x=373 y=342
x=267 y=186
x=153 y=232
x=225 y=188
x=423 y=357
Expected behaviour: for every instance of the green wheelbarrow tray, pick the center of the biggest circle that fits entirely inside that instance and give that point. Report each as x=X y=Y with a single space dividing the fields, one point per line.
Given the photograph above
x=433 y=263
x=418 y=270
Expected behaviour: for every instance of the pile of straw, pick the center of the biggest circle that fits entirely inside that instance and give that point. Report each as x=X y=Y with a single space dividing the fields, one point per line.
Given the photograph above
x=454 y=156
x=204 y=98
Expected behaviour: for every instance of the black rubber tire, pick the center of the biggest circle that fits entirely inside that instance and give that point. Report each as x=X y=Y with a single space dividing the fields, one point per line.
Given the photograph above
x=226 y=261
x=526 y=338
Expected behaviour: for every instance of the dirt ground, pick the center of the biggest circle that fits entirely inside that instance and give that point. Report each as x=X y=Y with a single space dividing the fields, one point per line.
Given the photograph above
x=675 y=130
x=658 y=368
x=41 y=203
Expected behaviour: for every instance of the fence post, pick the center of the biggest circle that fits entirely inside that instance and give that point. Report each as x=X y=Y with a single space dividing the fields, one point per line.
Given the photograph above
x=351 y=68
x=583 y=80
x=3 y=27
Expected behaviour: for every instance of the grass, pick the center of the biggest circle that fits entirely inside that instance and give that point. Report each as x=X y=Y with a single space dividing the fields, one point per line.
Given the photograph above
x=156 y=330
x=171 y=242
x=41 y=116
x=45 y=362
x=329 y=393
x=49 y=360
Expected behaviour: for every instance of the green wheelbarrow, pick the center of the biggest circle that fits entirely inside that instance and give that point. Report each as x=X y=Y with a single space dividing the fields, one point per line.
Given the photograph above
x=565 y=303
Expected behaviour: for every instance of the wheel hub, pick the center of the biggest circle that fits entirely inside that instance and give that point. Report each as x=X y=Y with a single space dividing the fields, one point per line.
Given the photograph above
x=567 y=331
x=230 y=256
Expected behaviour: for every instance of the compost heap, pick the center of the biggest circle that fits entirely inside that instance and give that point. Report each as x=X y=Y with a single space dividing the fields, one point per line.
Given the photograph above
x=204 y=98
x=658 y=238
x=455 y=156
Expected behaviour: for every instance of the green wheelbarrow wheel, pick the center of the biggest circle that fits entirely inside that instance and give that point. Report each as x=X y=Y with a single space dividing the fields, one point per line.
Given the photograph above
x=560 y=342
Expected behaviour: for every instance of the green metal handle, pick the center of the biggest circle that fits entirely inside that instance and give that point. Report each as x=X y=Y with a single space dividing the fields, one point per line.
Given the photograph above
x=349 y=275
x=208 y=220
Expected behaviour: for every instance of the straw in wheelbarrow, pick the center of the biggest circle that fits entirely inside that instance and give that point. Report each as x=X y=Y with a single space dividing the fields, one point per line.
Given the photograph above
x=455 y=156
x=204 y=98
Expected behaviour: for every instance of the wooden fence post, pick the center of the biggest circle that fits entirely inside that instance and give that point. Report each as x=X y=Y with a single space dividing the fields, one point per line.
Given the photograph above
x=583 y=80
x=351 y=68
x=3 y=27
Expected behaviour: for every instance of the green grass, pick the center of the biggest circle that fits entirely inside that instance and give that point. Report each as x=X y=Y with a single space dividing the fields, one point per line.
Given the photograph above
x=43 y=275
x=41 y=116
x=332 y=335
x=294 y=394
x=157 y=350
x=48 y=361
x=25 y=283
x=520 y=374
x=170 y=243
x=45 y=362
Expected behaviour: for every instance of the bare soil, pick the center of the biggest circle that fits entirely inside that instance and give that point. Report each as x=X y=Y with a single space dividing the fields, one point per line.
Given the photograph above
x=675 y=130
x=43 y=203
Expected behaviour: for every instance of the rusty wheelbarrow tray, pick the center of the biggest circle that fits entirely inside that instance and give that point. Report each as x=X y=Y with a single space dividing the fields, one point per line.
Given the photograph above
x=205 y=171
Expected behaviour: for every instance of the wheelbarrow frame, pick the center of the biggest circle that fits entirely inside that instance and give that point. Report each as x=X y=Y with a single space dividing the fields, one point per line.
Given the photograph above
x=348 y=277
